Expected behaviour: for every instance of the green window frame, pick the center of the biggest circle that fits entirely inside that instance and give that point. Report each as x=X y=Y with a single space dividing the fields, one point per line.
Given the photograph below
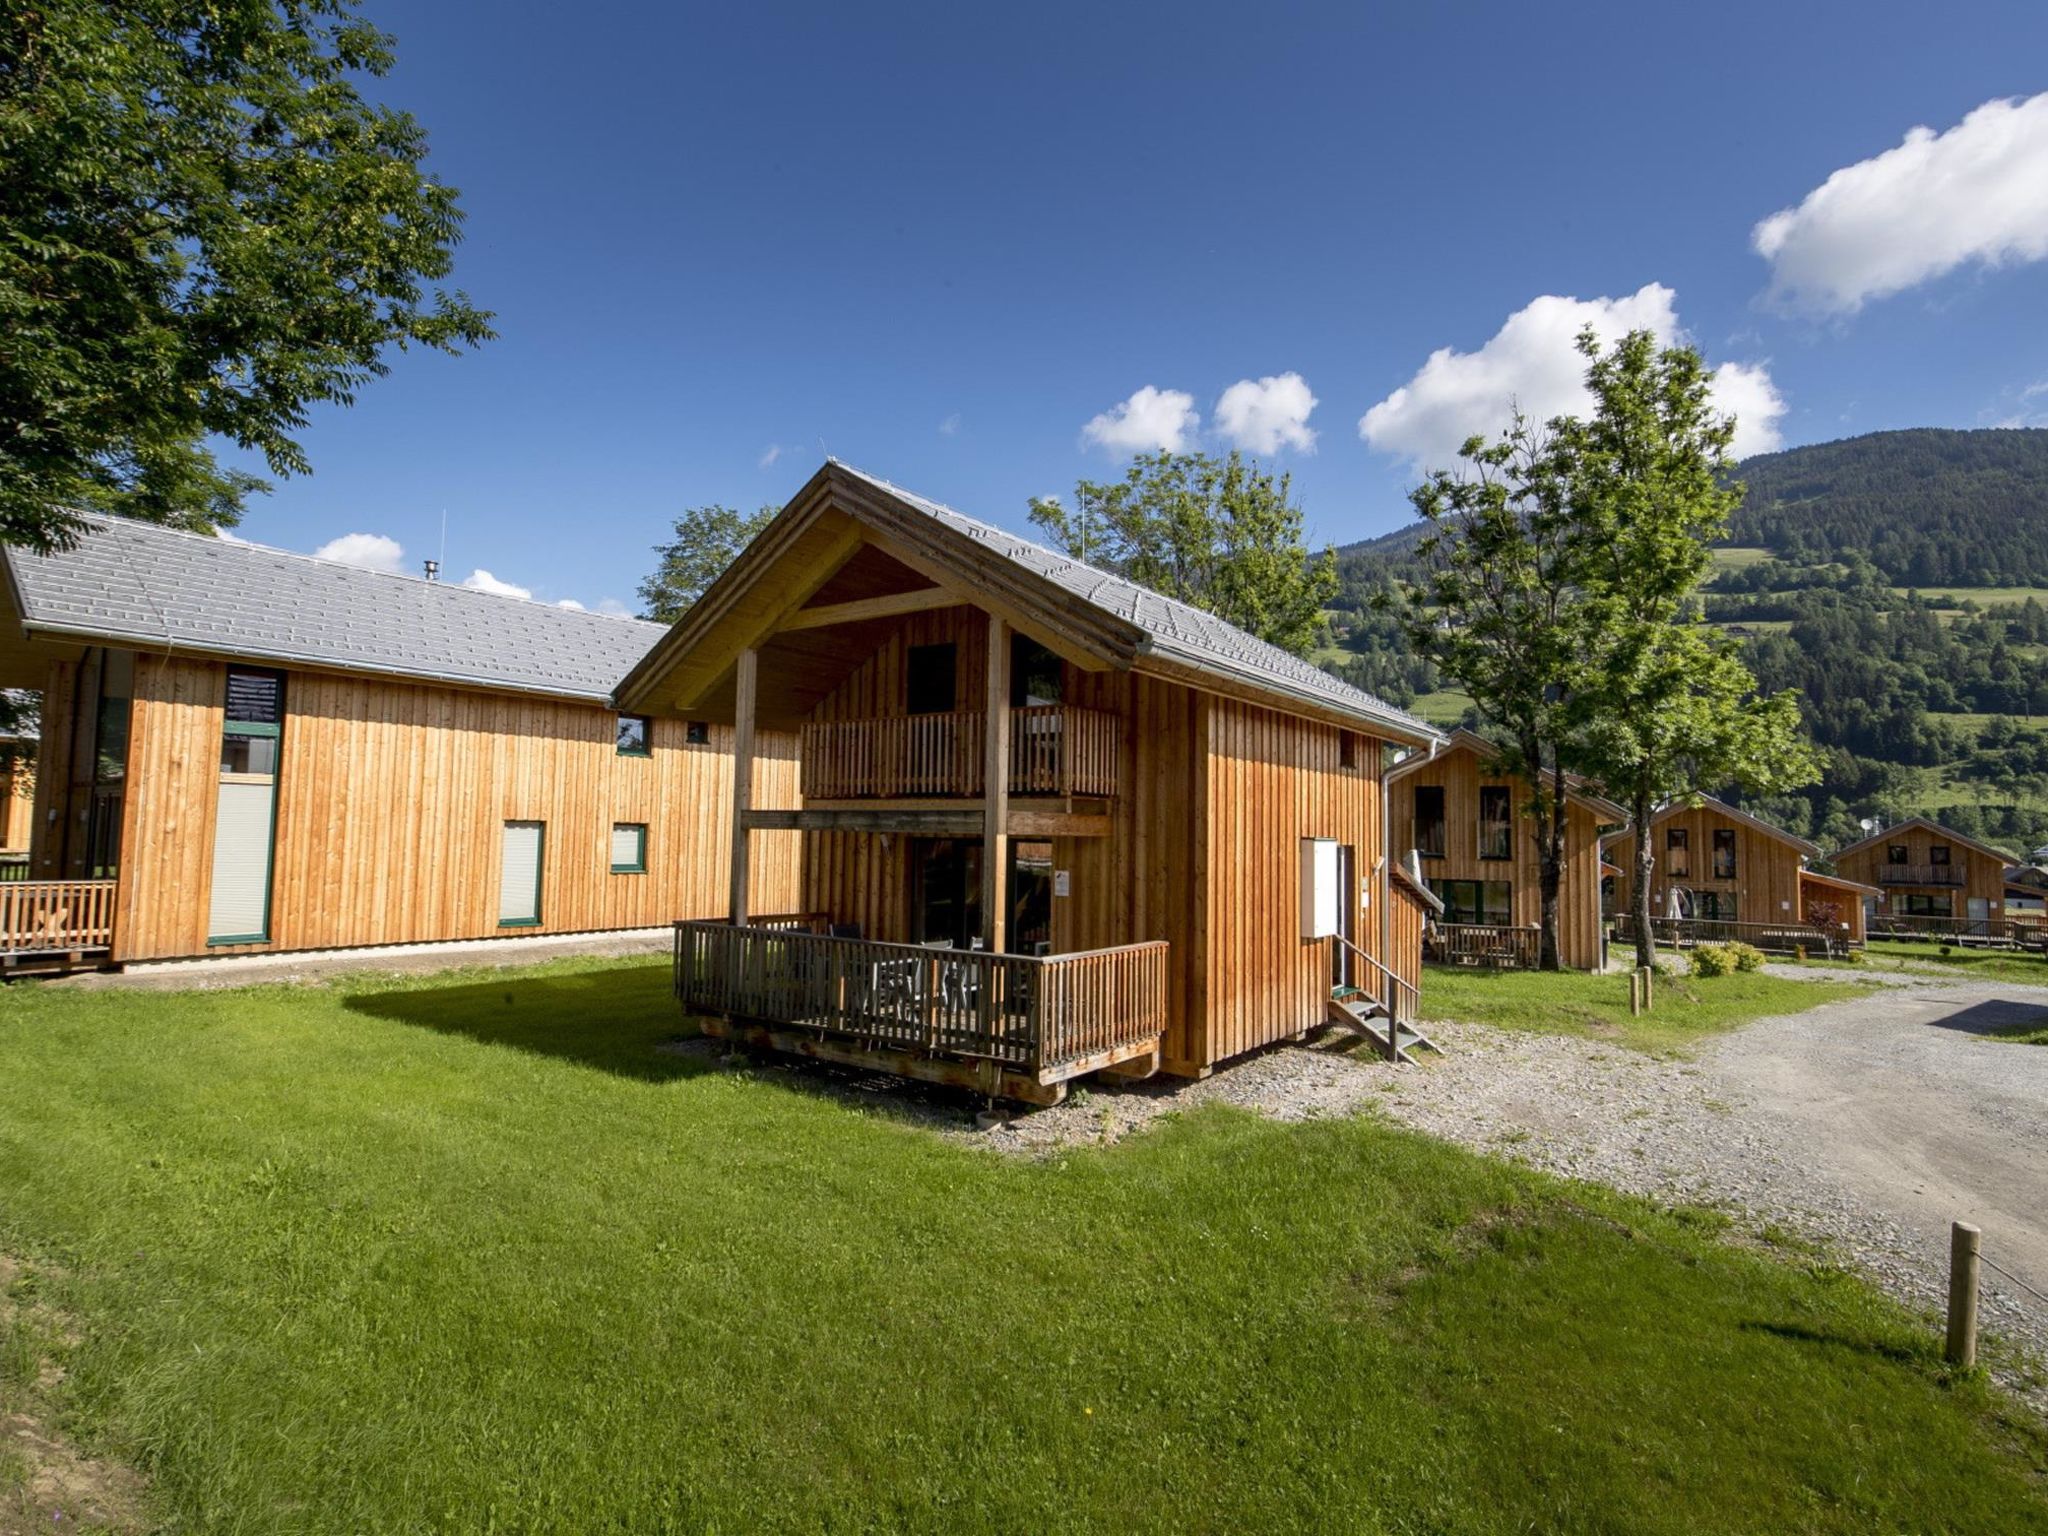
x=634 y=736
x=273 y=729
x=540 y=865
x=636 y=862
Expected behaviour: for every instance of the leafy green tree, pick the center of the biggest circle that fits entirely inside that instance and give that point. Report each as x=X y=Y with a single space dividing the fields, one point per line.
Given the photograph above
x=1222 y=534
x=1496 y=606
x=707 y=540
x=204 y=230
x=1666 y=706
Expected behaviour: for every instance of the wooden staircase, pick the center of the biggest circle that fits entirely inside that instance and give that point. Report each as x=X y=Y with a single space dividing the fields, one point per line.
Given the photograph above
x=1371 y=1017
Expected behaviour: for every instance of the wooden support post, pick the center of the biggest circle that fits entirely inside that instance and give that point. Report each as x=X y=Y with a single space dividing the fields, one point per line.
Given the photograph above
x=995 y=788
x=1964 y=1244
x=1649 y=988
x=746 y=683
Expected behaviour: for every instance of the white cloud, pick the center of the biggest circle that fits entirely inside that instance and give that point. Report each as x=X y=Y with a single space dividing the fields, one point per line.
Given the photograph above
x=229 y=536
x=482 y=580
x=612 y=608
x=1938 y=201
x=950 y=425
x=769 y=455
x=1532 y=363
x=371 y=551
x=571 y=604
x=1265 y=415
x=1164 y=419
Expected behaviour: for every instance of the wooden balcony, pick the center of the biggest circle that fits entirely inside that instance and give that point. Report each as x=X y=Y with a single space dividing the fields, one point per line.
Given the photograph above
x=1055 y=749
x=55 y=922
x=1920 y=874
x=1014 y=1026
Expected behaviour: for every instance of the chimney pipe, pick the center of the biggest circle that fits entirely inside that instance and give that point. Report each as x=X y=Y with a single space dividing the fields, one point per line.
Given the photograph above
x=433 y=570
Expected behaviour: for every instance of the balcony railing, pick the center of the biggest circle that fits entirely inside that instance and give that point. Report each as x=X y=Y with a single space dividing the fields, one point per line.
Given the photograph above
x=1055 y=749
x=55 y=917
x=1781 y=938
x=2029 y=932
x=1500 y=945
x=1919 y=874
x=1048 y=1018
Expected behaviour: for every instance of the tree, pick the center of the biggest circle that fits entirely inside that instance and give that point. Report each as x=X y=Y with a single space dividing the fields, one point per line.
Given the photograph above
x=1667 y=706
x=1497 y=608
x=1222 y=534
x=204 y=230
x=707 y=540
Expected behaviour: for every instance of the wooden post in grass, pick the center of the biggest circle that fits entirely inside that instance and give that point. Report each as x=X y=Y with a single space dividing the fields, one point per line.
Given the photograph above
x=1649 y=988
x=1964 y=1243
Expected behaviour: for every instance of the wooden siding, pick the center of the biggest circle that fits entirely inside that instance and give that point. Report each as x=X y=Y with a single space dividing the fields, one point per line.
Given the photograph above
x=1766 y=884
x=1983 y=877
x=1816 y=890
x=1460 y=773
x=1273 y=780
x=18 y=806
x=391 y=803
x=1404 y=948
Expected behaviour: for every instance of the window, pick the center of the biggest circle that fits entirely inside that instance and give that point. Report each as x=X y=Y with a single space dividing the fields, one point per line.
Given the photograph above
x=1724 y=853
x=1919 y=904
x=633 y=736
x=1937 y=853
x=1348 y=745
x=1475 y=901
x=1496 y=822
x=698 y=733
x=519 y=874
x=629 y=847
x=1429 y=820
x=1678 y=853
x=1715 y=906
x=1895 y=853
x=1036 y=676
x=245 y=819
x=931 y=679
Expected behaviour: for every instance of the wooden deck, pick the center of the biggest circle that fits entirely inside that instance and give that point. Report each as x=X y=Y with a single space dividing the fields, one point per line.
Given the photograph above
x=55 y=923
x=1779 y=938
x=1014 y=1026
x=1055 y=749
x=1500 y=946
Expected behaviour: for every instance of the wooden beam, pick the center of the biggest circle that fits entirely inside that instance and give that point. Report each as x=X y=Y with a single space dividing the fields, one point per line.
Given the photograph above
x=995 y=788
x=804 y=585
x=747 y=685
x=862 y=609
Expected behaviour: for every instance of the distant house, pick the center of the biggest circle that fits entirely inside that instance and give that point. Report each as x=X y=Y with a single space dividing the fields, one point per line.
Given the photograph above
x=1052 y=822
x=248 y=750
x=1468 y=826
x=1721 y=873
x=1930 y=878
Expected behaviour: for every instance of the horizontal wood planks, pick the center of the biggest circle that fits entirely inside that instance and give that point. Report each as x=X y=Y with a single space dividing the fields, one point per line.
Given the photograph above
x=391 y=803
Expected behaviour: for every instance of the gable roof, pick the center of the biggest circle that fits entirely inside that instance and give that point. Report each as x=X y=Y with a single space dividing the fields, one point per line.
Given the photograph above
x=138 y=585
x=1576 y=786
x=1925 y=824
x=1735 y=813
x=1128 y=625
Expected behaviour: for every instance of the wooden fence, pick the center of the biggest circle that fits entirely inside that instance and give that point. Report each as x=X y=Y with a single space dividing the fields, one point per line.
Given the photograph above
x=1782 y=938
x=1054 y=750
x=56 y=917
x=1043 y=1016
x=1988 y=932
x=1489 y=944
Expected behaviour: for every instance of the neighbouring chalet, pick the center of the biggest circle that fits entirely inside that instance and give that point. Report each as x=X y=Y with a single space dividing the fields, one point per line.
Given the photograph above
x=1051 y=822
x=1723 y=874
x=244 y=749
x=1467 y=824
x=1928 y=879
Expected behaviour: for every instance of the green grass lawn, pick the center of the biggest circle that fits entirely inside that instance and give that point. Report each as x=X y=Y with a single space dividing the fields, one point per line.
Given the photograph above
x=472 y=1253
x=1445 y=707
x=1736 y=557
x=1576 y=1003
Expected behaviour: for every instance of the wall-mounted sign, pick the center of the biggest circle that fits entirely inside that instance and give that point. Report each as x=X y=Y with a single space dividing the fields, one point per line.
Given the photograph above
x=1062 y=883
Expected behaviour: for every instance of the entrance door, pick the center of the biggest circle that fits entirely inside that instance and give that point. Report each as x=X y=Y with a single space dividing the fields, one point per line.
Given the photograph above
x=945 y=890
x=1343 y=969
x=1030 y=931
x=1980 y=914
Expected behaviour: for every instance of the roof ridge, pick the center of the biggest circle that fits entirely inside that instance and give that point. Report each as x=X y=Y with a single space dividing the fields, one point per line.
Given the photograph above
x=220 y=540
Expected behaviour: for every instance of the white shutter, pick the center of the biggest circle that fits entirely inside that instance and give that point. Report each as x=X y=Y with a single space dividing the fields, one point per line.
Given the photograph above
x=241 y=862
x=519 y=875
x=627 y=852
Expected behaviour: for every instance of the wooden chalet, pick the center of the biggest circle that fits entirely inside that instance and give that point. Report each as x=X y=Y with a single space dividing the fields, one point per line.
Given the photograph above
x=1722 y=875
x=1925 y=878
x=1051 y=822
x=249 y=750
x=1468 y=826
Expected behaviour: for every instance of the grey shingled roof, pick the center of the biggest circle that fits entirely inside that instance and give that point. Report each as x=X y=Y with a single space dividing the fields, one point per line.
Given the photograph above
x=135 y=584
x=1173 y=629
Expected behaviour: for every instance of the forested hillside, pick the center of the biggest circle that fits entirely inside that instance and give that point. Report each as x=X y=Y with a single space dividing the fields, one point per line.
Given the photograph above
x=1898 y=581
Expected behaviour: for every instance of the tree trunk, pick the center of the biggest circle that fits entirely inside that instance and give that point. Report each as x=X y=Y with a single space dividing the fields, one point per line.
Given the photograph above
x=1646 y=864
x=1550 y=874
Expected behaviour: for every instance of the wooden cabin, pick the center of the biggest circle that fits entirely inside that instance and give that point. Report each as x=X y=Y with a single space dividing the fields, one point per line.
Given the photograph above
x=1051 y=822
x=1722 y=874
x=247 y=750
x=1468 y=825
x=1925 y=878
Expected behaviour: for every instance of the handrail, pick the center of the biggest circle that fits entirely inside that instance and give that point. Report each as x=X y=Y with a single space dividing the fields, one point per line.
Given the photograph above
x=1414 y=993
x=1054 y=749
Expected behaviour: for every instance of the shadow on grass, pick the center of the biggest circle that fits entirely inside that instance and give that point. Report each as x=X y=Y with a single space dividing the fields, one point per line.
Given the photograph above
x=616 y=1019
x=1799 y=1333
x=1995 y=1017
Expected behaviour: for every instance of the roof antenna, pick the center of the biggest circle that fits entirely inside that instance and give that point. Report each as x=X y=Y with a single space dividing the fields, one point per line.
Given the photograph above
x=433 y=570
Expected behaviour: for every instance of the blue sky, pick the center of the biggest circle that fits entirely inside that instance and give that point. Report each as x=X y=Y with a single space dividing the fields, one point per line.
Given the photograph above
x=940 y=241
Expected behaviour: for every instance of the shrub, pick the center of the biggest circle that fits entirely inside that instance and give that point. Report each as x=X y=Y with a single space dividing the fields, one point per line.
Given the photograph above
x=1747 y=957
x=1713 y=960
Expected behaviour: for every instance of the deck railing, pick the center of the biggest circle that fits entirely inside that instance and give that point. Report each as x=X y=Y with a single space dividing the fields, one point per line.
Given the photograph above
x=1046 y=1016
x=1495 y=944
x=1782 y=938
x=1919 y=874
x=2016 y=932
x=1055 y=749
x=54 y=917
